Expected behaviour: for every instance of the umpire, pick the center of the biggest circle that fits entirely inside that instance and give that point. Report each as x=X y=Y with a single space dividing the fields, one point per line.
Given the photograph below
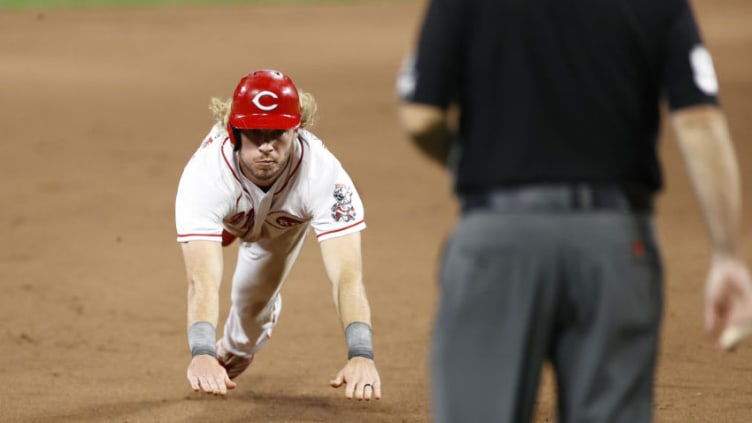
x=555 y=164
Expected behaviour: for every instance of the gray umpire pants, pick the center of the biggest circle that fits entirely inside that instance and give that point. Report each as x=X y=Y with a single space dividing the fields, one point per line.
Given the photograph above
x=582 y=289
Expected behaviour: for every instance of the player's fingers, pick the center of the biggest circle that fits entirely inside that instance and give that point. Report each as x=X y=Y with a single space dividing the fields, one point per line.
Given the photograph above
x=208 y=385
x=219 y=382
x=204 y=384
x=377 y=390
x=338 y=380
x=359 y=392
x=367 y=391
x=221 y=386
x=350 y=390
x=229 y=383
x=194 y=383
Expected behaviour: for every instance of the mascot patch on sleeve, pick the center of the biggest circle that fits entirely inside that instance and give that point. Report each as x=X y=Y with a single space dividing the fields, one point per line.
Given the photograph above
x=343 y=208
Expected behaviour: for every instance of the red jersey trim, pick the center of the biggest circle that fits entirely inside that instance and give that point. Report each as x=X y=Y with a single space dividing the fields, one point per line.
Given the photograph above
x=187 y=235
x=340 y=229
x=229 y=166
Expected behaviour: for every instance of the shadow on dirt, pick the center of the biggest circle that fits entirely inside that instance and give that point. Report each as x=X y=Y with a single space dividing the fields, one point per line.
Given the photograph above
x=236 y=407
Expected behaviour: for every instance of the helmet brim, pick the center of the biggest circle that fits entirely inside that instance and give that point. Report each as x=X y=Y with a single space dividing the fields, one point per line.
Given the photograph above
x=264 y=121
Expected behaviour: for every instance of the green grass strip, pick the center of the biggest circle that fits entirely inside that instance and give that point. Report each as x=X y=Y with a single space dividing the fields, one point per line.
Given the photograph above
x=37 y=4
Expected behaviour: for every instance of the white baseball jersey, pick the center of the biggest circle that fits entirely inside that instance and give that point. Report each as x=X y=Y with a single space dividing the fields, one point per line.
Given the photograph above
x=313 y=189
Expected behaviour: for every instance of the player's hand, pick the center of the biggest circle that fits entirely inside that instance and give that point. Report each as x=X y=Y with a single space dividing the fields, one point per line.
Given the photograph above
x=205 y=373
x=361 y=379
x=728 y=302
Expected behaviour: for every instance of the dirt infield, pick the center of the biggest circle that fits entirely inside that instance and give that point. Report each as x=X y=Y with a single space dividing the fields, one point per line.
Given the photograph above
x=101 y=109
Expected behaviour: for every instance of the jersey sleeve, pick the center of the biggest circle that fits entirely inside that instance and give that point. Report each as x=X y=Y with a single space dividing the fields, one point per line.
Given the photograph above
x=430 y=75
x=202 y=201
x=689 y=76
x=336 y=208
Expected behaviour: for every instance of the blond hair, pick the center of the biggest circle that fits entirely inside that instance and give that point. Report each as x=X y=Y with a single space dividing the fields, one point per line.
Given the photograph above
x=220 y=109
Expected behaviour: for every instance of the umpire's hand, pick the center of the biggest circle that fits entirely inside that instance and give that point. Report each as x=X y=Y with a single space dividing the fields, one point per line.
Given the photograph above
x=361 y=379
x=205 y=373
x=728 y=302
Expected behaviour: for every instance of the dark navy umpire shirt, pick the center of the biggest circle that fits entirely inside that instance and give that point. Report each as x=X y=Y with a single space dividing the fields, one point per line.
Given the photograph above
x=559 y=90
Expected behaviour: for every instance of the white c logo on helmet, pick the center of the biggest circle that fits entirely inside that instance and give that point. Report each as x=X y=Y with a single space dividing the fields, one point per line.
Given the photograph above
x=257 y=100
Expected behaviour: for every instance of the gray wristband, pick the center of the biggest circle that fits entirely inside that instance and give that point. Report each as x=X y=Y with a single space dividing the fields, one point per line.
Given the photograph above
x=201 y=339
x=359 y=342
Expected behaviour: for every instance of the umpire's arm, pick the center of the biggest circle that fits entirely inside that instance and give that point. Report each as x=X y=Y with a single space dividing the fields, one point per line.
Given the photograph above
x=711 y=162
x=427 y=127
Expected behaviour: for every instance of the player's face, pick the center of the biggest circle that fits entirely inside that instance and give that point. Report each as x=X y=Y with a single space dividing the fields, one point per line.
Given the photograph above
x=264 y=153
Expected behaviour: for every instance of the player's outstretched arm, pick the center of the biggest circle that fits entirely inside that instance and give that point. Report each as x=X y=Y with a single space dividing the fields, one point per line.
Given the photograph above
x=711 y=162
x=203 y=264
x=343 y=263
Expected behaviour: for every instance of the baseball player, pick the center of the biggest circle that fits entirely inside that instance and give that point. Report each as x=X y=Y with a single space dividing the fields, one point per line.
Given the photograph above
x=261 y=177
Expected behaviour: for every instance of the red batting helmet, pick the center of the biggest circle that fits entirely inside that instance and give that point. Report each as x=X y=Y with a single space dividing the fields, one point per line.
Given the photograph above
x=264 y=99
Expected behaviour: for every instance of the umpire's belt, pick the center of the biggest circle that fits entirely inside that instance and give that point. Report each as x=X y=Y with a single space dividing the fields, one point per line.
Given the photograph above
x=559 y=198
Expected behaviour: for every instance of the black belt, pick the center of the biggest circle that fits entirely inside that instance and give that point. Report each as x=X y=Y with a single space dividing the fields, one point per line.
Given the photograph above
x=559 y=198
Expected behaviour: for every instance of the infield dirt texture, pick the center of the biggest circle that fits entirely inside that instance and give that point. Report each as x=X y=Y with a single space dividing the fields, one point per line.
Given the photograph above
x=100 y=110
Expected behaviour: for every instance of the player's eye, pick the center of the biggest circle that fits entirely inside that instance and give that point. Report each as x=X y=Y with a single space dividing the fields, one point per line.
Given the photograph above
x=263 y=135
x=277 y=133
x=253 y=133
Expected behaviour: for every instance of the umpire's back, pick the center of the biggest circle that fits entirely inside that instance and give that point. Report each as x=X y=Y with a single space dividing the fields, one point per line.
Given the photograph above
x=556 y=90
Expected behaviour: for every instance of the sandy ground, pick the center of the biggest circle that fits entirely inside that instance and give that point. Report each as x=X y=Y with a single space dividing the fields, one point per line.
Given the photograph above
x=100 y=111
